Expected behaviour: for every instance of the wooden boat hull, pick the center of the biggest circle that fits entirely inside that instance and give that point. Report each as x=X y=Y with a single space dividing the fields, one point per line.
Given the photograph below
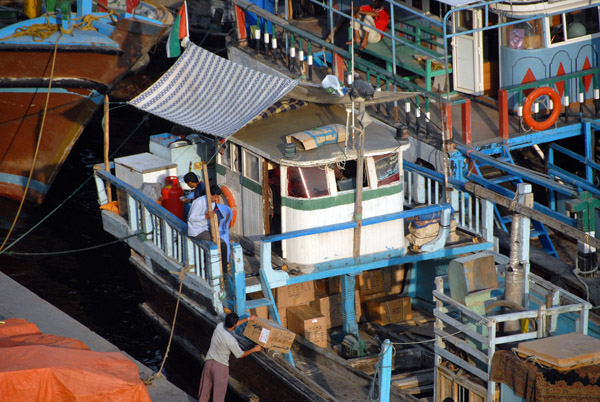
x=195 y=324
x=81 y=73
x=21 y=115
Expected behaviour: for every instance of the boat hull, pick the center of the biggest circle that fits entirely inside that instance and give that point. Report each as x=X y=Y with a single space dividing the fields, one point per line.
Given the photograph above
x=76 y=74
x=23 y=124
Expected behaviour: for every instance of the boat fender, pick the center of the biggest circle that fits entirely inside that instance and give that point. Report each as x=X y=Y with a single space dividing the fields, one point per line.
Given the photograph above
x=231 y=203
x=545 y=124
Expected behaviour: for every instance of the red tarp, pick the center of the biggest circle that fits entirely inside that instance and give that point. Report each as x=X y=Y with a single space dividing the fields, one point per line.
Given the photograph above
x=42 y=367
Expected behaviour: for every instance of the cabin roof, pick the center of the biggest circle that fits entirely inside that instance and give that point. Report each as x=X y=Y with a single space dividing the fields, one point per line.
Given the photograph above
x=266 y=137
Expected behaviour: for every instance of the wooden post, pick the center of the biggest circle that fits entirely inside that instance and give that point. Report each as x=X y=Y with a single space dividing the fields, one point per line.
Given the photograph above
x=106 y=143
x=359 y=187
x=214 y=222
x=466 y=121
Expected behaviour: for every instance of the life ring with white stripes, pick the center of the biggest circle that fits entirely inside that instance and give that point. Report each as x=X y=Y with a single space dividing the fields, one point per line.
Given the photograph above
x=231 y=203
x=536 y=93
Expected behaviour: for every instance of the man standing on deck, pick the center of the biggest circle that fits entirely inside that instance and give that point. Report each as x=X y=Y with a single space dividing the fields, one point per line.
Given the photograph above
x=199 y=221
x=191 y=179
x=373 y=15
x=216 y=366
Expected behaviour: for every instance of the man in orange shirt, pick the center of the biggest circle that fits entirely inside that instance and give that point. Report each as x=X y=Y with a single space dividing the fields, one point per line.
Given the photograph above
x=374 y=15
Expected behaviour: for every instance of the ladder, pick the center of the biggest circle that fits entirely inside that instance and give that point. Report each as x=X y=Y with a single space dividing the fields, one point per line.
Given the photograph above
x=268 y=301
x=539 y=230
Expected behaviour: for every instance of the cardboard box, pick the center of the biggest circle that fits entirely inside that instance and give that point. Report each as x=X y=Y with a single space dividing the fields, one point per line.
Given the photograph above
x=308 y=322
x=262 y=311
x=331 y=308
x=370 y=282
x=389 y=309
x=282 y=316
x=320 y=286
x=295 y=295
x=269 y=335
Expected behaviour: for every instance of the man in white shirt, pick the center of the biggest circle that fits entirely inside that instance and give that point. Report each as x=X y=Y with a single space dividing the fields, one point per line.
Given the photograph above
x=216 y=366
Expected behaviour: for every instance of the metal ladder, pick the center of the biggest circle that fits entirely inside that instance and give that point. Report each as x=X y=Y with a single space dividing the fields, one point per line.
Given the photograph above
x=539 y=230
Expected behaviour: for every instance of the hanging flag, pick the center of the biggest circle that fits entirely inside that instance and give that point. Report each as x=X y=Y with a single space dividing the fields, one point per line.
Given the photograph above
x=179 y=35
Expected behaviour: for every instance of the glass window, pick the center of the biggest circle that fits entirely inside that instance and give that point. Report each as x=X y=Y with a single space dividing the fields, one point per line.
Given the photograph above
x=557 y=33
x=524 y=35
x=252 y=167
x=387 y=169
x=307 y=182
x=582 y=22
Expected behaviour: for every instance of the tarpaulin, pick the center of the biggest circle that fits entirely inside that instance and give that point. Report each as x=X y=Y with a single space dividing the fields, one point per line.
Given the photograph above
x=211 y=94
x=43 y=367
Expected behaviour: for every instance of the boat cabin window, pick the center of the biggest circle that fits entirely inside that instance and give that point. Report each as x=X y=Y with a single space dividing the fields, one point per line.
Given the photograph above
x=524 y=35
x=387 y=169
x=307 y=182
x=251 y=166
x=345 y=175
x=573 y=25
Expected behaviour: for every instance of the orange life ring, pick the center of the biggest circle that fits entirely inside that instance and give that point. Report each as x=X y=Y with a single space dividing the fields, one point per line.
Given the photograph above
x=536 y=93
x=231 y=203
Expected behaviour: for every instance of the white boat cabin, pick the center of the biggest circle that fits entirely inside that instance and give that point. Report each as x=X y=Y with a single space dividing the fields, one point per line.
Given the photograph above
x=276 y=192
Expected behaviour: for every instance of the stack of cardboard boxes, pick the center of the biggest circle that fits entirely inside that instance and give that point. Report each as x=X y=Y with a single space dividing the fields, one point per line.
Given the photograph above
x=311 y=308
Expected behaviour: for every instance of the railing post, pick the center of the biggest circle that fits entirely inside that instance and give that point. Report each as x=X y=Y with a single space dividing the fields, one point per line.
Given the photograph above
x=503 y=113
x=487 y=215
x=348 y=283
x=466 y=121
x=385 y=371
x=239 y=279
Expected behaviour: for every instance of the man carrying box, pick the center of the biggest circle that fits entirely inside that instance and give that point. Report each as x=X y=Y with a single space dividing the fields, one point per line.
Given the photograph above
x=216 y=366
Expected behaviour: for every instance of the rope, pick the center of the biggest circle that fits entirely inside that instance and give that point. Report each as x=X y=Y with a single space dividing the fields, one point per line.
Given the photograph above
x=37 y=146
x=155 y=376
x=2 y=251
x=74 y=250
x=41 y=32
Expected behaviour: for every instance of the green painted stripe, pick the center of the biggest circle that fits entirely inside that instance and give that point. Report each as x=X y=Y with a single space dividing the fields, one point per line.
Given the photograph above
x=251 y=185
x=304 y=204
x=221 y=169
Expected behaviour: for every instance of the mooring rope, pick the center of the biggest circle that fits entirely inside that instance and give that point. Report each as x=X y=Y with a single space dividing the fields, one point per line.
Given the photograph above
x=37 y=146
x=156 y=375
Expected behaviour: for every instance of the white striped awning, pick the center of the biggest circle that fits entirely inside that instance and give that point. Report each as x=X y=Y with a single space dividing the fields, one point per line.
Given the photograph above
x=210 y=94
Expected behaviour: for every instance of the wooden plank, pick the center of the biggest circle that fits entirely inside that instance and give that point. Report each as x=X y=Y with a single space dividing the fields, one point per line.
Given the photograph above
x=420 y=389
x=418 y=372
x=555 y=224
x=414 y=381
x=403 y=360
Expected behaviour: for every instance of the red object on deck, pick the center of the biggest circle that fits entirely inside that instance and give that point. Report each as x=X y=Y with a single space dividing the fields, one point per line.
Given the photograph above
x=43 y=367
x=171 y=195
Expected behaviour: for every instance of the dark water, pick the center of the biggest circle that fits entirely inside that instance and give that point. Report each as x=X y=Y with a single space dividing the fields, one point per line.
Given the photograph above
x=99 y=288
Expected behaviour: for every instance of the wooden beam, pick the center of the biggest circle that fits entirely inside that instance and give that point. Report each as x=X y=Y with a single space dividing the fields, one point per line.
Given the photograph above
x=403 y=360
x=558 y=226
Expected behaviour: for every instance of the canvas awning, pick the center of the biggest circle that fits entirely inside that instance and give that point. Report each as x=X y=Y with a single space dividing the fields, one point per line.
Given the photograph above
x=211 y=94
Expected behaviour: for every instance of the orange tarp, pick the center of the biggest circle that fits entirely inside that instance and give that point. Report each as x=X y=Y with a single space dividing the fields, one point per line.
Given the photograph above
x=42 y=367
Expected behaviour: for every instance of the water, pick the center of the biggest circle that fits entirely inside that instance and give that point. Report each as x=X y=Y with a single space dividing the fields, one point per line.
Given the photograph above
x=98 y=287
